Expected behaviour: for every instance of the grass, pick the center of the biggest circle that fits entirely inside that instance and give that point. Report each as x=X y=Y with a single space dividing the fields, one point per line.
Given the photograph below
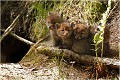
x=38 y=29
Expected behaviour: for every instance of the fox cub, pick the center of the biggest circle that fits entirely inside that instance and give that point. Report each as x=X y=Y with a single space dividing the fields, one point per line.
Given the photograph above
x=65 y=32
x=81 y=31
x=51 y=20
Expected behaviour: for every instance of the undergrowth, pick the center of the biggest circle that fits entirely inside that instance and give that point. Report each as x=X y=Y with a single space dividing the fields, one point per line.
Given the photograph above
x=39 y=12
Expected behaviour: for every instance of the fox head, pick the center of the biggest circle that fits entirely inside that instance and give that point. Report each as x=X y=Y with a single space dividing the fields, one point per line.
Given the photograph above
x=52 y=19
x=64 y=30
x=80 y=31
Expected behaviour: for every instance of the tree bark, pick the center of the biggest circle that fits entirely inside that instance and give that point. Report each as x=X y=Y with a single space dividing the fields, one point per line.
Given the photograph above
x=86 y=59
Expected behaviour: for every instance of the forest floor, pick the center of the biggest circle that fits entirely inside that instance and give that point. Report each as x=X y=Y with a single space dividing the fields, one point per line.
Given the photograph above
x=50 y=70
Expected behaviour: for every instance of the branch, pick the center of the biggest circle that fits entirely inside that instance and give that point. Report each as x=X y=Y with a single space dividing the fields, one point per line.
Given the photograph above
x=36 y=44
x=12 y=26
x=86 y=59
x=113 y=8
x=19 y=38
x=22 y=39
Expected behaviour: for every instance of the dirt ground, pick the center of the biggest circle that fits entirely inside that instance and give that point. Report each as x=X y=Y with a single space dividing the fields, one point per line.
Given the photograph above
x=51 y=70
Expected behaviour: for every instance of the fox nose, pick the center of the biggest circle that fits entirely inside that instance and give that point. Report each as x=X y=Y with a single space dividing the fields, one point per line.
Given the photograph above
x=65 y=34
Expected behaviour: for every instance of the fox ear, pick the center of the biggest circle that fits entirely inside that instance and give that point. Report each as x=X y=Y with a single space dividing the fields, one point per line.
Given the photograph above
x=57 y=25
x=49 y=13
x=72 y=24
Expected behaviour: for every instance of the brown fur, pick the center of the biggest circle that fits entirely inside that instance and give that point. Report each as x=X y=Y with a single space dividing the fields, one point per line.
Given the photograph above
x=81 y=46
x=81 y=31
x=51 y=20
x=65 y=32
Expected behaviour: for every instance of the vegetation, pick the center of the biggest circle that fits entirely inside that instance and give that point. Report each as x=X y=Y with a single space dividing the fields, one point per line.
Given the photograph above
x=38 y=29
x=92 y=13
x=89 y=12
x=99 y=37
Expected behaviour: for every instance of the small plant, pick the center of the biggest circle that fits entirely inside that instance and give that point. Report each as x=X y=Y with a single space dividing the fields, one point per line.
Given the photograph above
x=99 y=38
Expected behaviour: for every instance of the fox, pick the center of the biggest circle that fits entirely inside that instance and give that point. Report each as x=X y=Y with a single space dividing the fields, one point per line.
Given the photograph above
x=51 y=20
x=81 y=31
x=65 y=32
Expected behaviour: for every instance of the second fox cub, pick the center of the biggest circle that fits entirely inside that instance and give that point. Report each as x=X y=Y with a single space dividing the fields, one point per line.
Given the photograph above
x=65 y=32
x=51 y=20
x=81 y=31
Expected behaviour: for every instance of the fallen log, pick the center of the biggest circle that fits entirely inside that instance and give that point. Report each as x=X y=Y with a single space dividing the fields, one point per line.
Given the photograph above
x=86 y=59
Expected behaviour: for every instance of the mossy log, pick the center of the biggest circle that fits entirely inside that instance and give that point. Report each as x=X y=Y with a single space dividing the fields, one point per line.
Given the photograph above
x=86 y=59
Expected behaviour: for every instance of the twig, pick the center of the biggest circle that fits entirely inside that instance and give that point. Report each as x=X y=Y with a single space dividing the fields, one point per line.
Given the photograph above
x=12 y=26
x=113 y=9
x=22 y=39
x=9 y=29
x=19 y=38
x=32 y=49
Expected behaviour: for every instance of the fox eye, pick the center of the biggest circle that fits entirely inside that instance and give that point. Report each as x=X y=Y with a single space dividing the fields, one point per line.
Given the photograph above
x=62 y=30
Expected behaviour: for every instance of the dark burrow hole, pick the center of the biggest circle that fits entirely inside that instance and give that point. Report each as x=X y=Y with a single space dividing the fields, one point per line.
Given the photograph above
x=12 y=50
